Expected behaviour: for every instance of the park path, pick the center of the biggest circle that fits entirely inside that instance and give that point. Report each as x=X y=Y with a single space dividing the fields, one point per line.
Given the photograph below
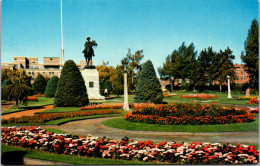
x=96 y=128
x=26 y=113
x=6 y=105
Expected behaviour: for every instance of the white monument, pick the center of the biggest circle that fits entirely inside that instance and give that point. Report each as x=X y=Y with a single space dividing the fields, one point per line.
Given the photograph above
x=91 y=78
x=229 y=90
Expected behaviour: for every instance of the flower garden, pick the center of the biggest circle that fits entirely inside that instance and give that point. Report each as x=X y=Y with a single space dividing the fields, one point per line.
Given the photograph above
x=168 y=152
x=192 y=114
x=199 y=96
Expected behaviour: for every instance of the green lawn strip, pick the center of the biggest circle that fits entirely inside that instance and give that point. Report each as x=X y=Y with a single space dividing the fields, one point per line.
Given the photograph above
x=123 y=124
x=43 y=101
x=57 y=131
x=78 y=160
x=65 y=120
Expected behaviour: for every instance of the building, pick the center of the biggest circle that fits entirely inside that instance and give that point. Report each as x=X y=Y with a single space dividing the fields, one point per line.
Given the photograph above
x=51 y=66
x=242 y=76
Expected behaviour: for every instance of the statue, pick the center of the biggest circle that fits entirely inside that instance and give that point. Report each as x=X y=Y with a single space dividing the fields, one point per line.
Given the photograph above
x=88 y=50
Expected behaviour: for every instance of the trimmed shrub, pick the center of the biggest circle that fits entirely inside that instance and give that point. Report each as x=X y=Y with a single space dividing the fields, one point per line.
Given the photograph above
x=51 y=86
x=148 y=88
x=71 y=90
x=39 y=84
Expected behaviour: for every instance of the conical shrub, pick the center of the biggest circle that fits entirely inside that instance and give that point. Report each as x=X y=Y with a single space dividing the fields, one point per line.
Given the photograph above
x=51 y=86
x=71 y=90
x=148 y=88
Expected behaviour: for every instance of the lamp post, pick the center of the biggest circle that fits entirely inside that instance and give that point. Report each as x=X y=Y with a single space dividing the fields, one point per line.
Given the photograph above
x=126 y=105
x=229 y=91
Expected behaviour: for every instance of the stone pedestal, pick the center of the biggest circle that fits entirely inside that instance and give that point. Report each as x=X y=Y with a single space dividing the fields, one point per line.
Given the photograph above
x=91 y=78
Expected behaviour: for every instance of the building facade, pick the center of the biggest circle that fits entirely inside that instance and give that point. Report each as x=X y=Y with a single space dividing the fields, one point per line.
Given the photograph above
x=50 y=67
x=242 y=76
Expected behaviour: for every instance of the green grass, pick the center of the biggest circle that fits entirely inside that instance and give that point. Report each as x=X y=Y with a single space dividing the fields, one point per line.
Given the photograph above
x=57 y=131
x=43 y=101
x=65 y=120
x=127 y=125
x=78 y=160
x=61 y=110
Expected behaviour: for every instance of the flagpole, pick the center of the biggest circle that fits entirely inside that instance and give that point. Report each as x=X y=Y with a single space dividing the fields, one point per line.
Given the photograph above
x=62 y=50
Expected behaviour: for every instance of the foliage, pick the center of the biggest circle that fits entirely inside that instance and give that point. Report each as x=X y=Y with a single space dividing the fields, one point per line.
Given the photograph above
x=189 y=114
x=5 y=83
x=39 y=84
x=71 y=90
x=117 y=80
x=223 y=66
x=108 y=86
x=51 y=86
x=17 y=92
x=251 y=55
x=105 y=74
x=126 y=149
x=180 y=65
x=148 y=87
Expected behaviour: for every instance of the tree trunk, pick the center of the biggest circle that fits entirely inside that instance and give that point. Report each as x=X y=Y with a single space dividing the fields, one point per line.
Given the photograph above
x=16 y=103
x=219 y=88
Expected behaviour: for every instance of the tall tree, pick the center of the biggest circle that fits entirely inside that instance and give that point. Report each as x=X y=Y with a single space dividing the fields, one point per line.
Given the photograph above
x=251 y=55
x=39 y=84
x=148 y=88
x=105 y=72
x=179 y=65
x=206 y=66
x=223 y=67
x=71 y=90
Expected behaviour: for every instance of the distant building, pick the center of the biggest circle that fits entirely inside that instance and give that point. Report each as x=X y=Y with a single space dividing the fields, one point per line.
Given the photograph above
x=242 y=76
x=51 y=66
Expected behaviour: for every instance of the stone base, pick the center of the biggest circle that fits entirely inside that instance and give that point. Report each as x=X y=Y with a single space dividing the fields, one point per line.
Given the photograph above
x=91 y=78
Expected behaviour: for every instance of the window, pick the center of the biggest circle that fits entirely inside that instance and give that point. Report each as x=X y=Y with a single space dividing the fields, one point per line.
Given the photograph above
x=242 y=78
x=32 y=73
x=91 y=84
x=241 y=71
x=237 y=71
x=51 y=73
x=29 y=73
x=33 y=62
x=238 y=78
x=51 y=59
x=43 y=72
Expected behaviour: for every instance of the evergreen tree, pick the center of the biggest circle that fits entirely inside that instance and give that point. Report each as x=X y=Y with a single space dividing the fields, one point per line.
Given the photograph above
x=148 y=86
x=251 y=55
x=39 y=84
x=108 y=86
x=71 y=90
x=51 y=86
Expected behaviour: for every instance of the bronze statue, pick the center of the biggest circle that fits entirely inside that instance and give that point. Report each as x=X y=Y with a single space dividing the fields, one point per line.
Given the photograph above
x=88 y=50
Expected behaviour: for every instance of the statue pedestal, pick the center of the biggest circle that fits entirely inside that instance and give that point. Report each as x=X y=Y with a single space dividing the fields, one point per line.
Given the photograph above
x=91 y=78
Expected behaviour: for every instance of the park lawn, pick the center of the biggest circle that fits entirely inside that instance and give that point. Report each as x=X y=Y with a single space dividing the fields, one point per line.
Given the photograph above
x=78 y=160
x=66 y=109
x=42 y=101
x=127 y=125
x=65 y=120
x=222 y=98
x=57 y=131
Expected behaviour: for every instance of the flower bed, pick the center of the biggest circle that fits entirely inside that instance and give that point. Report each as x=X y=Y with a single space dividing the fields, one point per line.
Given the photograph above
x=246 y=97
x=102 y=106
x=169 y=152
x=169 y=95
x=199 y=96
x=253 y=101
x=189 y=114
x=42 y=118
x=31 y=98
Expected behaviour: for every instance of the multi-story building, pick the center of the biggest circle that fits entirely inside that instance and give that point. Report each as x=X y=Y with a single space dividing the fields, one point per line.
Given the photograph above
x=242 y=76
x=51 y=66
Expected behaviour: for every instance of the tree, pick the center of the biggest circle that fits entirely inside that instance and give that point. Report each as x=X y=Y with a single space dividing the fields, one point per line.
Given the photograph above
x=223 y=66
x=148 y=86
x=180 y=65
x=251 y=55
x=17 y=92
x=105 y=72
x=71 y=90
x=108 y=86
x=39 y=84
x=51 y=86
x=117 y=80
x=206 y=66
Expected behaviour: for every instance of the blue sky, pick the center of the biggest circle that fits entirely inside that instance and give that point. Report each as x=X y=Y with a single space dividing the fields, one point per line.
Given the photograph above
x=32 y=27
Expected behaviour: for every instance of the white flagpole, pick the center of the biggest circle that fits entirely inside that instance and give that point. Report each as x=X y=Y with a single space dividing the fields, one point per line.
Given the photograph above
x=62 y=51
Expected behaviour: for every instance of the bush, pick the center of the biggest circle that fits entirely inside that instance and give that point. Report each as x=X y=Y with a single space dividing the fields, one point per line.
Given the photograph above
x=51 y=86
x=71 y=90
x=39 y=84
x=148 y=88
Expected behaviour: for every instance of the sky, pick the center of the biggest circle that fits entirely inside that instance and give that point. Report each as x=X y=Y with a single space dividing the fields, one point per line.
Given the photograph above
x=32 y=28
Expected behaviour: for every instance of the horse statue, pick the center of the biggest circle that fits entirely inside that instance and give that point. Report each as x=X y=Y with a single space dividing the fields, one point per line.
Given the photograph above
x=88 y=50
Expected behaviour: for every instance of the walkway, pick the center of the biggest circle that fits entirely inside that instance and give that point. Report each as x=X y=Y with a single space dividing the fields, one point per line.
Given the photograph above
x=95 y=127
x=26 y=113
